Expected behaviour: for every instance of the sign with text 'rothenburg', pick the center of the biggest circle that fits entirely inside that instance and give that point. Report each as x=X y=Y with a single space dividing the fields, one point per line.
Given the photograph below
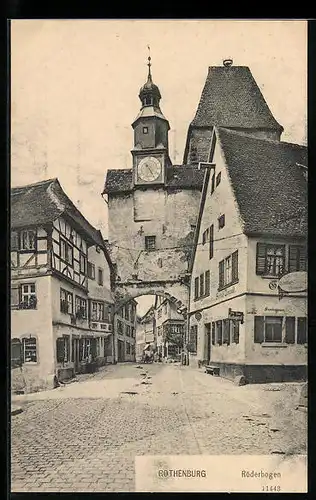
x=237 y=315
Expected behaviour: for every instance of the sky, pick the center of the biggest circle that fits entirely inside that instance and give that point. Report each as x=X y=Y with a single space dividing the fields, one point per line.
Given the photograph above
x=75 y=85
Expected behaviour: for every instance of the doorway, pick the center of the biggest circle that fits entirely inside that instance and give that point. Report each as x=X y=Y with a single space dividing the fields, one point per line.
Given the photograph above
x=207 y=344
x=75 y=353
x=121 y=351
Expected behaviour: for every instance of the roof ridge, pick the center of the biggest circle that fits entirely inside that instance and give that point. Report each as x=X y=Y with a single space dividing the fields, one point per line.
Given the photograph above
x=261 y=139
x=26 y=186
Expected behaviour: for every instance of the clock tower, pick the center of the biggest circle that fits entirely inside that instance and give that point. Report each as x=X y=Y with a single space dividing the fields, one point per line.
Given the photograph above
x=150 y=153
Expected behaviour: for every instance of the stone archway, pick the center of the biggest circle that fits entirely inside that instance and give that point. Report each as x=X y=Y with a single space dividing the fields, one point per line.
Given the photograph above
x=176 y=292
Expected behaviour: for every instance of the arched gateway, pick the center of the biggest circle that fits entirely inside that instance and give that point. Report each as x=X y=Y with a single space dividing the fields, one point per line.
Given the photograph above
x=152 y=211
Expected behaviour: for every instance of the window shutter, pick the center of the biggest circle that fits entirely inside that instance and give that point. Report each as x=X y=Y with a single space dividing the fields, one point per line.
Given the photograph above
x=293 y=258
x=213 y=333
x=221 y=274
x=212 y=241
x=93 y=348
x=235 y=266
x=60 y=350
x=14 y=241
x=201 y=285
x=302 y=259
x=207 y=283
x=16 y=353
x=259 y=329
x=290 y=330
x=15 y=295
x=196 y=287
x=261 y=258
x=301 y=330
x=226 y=339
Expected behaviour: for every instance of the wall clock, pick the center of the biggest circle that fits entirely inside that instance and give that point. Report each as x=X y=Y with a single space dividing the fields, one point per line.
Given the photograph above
x=149 y=169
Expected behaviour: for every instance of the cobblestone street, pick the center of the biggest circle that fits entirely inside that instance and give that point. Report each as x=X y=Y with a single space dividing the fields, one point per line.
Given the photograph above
x=84 y=436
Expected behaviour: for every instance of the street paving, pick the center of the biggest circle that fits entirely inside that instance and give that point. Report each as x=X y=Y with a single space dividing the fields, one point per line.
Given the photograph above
x=84 y=437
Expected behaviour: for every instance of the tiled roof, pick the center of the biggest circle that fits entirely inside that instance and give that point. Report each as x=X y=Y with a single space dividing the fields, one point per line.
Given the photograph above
x=178 y=177
x=44 y=202
x=232 y=98
x=268 y=179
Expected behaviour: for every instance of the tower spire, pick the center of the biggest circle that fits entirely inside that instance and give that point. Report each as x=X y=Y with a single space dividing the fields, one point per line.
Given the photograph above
x=149 y=64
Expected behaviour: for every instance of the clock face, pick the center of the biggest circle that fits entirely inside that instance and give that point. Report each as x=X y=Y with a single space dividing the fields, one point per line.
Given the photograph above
x=149 y=169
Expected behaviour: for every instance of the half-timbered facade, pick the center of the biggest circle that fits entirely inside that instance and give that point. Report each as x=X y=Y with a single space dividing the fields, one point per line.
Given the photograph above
x=56 y=326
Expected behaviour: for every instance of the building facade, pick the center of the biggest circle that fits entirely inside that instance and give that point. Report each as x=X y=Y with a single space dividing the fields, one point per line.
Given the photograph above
x=125 y=321
x=53 y=248
x=145 y=337
x=169 y=329
x=251 y=231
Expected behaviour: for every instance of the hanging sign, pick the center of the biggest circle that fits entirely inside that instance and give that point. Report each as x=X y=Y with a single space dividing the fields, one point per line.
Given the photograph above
x=236 y=315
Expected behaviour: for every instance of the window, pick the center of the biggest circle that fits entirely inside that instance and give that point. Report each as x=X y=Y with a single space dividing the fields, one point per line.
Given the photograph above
x=120 y=327
x=128 y=330
x=297 y=258
x=97 y=311
x=301 y=330
x=150 y=242
x=201 y=285
x=132 y=312
x=126 y=309
x=228 y=271
x=212 y=241
x=91 y=271
x=218 y=178
x=274 y=329
x=29 y=350
x=81 y=308
x=27 y=296
x=205 y=236
x=207 y=284
x=83 y=263
x=193 y=338
x=221 y=221
x=226 y=331
x=270 y=259
x=100 y=277
x=132 y=332
x=196 y=288
x=66 y=251
x=219 y=333
x=63 y=349
x=87 y=348
x=159 y=313
x=128 y=348
x=145 y=130
x=66 y=302
x=27 y=240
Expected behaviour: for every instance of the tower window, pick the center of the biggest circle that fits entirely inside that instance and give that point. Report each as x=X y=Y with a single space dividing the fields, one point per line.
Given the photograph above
x=221 y=221
x=150 y=242
x=145 y=130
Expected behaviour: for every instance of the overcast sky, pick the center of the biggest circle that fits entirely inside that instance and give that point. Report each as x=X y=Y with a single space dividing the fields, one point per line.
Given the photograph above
x=75 y=84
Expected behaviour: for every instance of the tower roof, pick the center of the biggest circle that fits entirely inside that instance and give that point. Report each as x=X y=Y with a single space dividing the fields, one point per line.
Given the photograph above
x=231 y=98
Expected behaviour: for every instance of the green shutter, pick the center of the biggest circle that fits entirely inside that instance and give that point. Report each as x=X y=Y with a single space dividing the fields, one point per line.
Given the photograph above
x=259 y=330
x=60 y=344
x=290 y=330
x=235 y=266
x=221 y=274
x=207 y=283
x=261 y=258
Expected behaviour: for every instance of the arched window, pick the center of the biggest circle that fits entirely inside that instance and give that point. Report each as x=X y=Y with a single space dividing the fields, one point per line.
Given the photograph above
x=29 y=350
